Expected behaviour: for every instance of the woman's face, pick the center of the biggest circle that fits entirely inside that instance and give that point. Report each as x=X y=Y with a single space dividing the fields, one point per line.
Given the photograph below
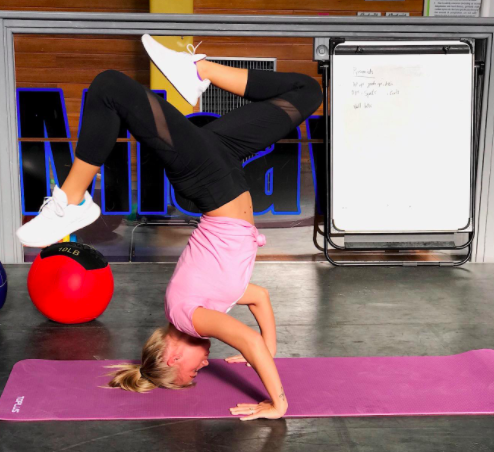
x=194 y=357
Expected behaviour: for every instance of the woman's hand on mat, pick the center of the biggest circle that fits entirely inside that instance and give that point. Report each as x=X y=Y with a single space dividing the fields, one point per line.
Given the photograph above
x=263 y=410
x=236 y=360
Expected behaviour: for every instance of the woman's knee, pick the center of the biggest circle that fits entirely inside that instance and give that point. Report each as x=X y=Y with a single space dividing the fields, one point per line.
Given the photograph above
x=312 y=93
x=307 y=96
x=106 y=81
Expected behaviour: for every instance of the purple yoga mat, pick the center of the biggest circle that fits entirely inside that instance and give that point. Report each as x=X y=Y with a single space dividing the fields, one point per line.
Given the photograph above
x=316 y=387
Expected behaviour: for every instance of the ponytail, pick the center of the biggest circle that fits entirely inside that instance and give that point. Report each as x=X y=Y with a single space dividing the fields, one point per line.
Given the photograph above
x=128 y=377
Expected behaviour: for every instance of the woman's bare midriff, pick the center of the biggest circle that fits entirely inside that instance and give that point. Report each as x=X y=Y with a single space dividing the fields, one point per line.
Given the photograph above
x=240 y=207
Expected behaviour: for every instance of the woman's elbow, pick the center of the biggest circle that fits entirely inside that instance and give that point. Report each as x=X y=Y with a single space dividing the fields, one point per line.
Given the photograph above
x=255 y=341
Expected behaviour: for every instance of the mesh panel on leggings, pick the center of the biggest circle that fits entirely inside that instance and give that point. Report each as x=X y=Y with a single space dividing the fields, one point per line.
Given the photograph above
x=289 y=108
x=159 y=119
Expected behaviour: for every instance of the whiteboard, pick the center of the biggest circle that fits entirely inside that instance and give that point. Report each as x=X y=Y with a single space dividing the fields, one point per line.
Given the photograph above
x=401 y=139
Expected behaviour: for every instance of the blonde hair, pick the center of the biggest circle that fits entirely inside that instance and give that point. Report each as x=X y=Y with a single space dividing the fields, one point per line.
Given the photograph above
x=152 y=373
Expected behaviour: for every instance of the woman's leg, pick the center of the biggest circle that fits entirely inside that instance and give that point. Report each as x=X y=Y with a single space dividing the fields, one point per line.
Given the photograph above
x=281 y=101
x=230 y=79
x=188 y=153
x=80 y=176
x=112 y=98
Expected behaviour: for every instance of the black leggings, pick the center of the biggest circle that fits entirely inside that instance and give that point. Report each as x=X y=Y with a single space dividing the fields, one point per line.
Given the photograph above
x=204 y=164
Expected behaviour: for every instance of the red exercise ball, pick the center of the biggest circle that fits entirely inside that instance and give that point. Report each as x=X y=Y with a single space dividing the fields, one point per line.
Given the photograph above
x=70 y=283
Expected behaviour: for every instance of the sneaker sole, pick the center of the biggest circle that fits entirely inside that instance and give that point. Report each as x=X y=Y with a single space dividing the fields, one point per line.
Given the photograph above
x=91 y=217
x=148 y=50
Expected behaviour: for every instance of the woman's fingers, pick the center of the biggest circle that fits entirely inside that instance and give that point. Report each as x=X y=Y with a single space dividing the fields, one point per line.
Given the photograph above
x=239 y=362
x=243 y=412
x=245 y=408
x=237 y=359
x=256 y=411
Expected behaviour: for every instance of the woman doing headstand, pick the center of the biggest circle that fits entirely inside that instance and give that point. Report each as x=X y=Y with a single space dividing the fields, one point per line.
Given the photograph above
x=204 y=165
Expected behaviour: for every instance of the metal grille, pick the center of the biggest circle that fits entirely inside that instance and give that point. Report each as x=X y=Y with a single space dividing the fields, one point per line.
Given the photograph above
x=219 y=101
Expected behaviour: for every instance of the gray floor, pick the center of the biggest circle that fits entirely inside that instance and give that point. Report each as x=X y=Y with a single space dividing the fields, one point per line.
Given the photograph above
x=320 y=311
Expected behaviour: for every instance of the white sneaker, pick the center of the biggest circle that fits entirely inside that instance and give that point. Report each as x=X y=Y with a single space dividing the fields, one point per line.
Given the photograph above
x=57 y=219
x=178 y=68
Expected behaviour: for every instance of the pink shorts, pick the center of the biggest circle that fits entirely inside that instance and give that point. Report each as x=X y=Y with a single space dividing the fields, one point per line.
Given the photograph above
x=213 y=271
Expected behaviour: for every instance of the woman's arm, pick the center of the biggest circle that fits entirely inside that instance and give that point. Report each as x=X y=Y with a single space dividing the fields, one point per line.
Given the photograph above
x=257 y=299
x=252 y=346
